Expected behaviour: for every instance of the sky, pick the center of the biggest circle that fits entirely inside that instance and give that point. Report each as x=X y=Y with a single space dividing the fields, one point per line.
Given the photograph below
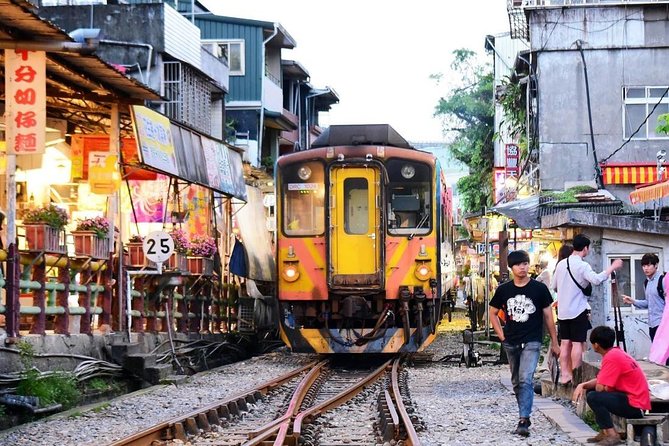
x=378 y=55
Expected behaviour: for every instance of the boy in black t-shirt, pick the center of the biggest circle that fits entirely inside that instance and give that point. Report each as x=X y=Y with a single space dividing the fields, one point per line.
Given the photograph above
x=527 y=307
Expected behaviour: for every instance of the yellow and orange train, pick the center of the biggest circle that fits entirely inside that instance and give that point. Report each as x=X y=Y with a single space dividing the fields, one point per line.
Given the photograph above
x=364 y=243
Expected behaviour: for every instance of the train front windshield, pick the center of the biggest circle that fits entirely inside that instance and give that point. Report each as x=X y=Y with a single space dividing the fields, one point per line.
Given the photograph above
x=304 y=199
x=409 y=192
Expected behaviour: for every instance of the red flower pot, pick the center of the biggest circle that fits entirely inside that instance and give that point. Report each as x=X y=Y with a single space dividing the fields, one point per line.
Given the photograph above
x=42 y=237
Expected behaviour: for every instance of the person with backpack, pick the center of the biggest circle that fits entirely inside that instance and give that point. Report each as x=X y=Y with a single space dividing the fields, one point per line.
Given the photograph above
x=654 y=293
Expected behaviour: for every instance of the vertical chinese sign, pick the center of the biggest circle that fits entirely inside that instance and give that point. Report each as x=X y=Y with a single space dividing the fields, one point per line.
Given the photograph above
x=512 y=158
x=25 y=101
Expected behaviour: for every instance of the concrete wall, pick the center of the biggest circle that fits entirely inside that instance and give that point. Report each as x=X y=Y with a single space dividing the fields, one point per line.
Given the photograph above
x=612 y=242
x=617 y=42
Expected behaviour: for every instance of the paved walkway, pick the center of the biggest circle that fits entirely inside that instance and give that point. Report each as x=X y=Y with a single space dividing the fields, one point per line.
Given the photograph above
x=559 y=415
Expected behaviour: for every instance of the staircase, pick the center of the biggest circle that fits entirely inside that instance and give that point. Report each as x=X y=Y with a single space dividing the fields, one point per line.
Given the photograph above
x=144 y=365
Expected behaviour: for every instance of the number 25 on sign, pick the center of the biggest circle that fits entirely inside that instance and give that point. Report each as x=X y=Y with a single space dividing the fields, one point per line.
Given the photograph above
x=158 y=246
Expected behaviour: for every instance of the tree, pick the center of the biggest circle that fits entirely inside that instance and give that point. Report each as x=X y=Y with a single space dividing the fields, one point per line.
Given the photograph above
x=469 y=113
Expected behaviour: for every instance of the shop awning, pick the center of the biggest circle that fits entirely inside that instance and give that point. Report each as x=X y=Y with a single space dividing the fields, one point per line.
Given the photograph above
x=629 y=173
x=169 y=148
x=525 y=212
x=649 y=193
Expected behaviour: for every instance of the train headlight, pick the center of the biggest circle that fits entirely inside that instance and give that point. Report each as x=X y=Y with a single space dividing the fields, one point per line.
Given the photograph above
x=423 y=271
x=290 y=272
x=304 y=173
x=408 y=171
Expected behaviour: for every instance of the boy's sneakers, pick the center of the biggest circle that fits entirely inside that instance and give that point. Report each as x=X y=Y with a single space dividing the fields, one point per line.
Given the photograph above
x=523 y=428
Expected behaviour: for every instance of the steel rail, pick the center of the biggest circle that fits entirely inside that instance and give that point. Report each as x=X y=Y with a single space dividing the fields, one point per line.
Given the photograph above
x=412 y=437
x=283 y=423
x=337 y=400
x=176 y=424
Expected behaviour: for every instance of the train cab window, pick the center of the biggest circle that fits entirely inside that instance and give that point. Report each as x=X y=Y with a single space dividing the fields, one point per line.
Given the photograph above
x=408 y=196
x=303 y=199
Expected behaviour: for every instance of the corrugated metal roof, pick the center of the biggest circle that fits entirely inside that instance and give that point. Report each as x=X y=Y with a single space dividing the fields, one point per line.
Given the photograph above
x=613 y=207
x=70 y=75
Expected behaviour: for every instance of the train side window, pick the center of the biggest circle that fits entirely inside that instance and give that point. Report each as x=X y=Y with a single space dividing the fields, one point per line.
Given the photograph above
x=303 y=210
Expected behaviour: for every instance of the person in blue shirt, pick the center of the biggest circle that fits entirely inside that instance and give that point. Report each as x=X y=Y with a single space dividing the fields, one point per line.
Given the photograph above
x=653 y=300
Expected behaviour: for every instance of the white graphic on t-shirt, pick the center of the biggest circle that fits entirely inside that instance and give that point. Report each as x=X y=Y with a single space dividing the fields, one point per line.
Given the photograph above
x=520 y=308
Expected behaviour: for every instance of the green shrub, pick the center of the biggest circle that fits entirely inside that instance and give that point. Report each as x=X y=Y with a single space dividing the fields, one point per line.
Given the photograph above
x=57 y=388
x=102 y=385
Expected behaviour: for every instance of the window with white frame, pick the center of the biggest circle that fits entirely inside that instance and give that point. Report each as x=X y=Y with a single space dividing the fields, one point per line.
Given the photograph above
x=639 y=102
x=629 y=279
x=234 y=52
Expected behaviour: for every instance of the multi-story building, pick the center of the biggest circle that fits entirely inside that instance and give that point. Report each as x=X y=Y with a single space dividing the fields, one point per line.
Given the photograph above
x=595 y=82
x=271 y=107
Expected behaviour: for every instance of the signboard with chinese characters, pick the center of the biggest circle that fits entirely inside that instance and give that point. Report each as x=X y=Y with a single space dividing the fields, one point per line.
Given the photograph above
x=82 y=146
x=499 y=182
x=154 y=137
x=104 y=177
x=512 y=158
x=25 y=101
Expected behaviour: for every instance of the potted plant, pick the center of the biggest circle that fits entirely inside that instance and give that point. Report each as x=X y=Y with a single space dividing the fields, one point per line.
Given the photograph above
x=201 y=253
x=181 y=247
x=44 y=228
x=136 y=251
x=91 y=238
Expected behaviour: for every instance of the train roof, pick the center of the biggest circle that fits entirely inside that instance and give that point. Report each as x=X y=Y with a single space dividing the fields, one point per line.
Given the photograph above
x=361 y=135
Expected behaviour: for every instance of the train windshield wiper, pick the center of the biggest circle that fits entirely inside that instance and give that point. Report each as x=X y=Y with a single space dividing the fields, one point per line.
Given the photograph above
x=420 y=224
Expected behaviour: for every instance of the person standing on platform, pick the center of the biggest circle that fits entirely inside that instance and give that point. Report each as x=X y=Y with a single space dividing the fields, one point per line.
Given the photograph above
x=573 y=282
x=654 y=293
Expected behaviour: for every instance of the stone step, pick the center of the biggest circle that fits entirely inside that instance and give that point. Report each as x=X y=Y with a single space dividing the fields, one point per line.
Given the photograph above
x=121 y=351
x=158 y=373
x=137 y=362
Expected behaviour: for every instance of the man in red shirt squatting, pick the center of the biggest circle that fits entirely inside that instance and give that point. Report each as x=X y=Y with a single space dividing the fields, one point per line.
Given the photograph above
x=620 y=387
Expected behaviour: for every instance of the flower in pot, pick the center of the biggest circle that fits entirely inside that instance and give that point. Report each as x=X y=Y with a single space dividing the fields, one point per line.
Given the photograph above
x=181 y=243
x=50 y=215
x=99 y=225
x=136 y=239
x=203 y=246
x=44 y=228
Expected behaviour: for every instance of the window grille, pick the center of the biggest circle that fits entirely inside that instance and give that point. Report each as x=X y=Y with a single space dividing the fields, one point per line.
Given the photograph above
x=188 y=96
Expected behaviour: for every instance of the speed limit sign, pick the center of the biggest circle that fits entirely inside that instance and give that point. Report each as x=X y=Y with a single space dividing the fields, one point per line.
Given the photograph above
x=158 y=246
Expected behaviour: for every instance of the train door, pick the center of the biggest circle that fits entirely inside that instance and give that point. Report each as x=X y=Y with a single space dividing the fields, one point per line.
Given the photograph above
x=355 y=222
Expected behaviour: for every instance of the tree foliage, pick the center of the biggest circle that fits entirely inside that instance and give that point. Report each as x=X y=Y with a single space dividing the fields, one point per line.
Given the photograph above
x=469 y=112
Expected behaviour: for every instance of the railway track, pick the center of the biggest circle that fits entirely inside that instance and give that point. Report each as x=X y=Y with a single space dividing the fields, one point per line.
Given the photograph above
x=291 y=410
